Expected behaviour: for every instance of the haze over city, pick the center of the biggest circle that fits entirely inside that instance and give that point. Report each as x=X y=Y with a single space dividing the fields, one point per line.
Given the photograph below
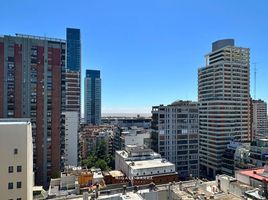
x=148 y=51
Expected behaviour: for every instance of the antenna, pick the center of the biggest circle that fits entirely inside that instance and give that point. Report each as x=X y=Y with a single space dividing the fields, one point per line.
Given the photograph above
x=255 y=79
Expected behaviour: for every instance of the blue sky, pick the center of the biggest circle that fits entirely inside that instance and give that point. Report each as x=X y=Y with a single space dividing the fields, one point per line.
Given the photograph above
x=148 y=51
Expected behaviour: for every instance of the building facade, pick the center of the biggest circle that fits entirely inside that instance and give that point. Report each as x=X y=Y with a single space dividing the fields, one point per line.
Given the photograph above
x=258 y=153
x=91 y=137
x=223 y=94
x=16 y=154
x=32 y=86
x=175 y=135
x=92 y=97
x=71 y=138
x=73 y=95
x=143 y=166
x=260 y=122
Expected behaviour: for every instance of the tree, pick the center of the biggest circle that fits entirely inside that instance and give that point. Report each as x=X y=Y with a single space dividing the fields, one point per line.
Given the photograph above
x=101 y=164
x=101 y=149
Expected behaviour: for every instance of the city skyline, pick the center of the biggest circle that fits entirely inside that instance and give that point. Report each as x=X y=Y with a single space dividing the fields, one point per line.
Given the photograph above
x=149 y=46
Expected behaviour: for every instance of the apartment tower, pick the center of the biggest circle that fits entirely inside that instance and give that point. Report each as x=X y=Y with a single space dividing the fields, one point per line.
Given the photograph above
x=73 y=95
x=260 y=122
x=16 y=154
x=93 y=97
x=32 y=86
x=224 y=100
x=175 y=136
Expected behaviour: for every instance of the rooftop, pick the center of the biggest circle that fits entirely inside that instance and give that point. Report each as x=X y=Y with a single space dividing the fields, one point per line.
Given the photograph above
x=116 y=173
x=146 y=164
x=12 y=121
x=257 y=173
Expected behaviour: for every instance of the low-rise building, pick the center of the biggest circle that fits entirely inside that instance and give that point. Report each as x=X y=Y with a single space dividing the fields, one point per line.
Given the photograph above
x=143 y=166
x=223 y=188
x=132 y=136
x=258 y=153
x=257 y=178
x=235 y=157
x=115 y=177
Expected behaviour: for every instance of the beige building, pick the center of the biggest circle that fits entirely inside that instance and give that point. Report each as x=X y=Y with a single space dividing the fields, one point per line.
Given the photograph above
x=259 y=116
x=175 y=135
x=16 y=155
x=224 y=102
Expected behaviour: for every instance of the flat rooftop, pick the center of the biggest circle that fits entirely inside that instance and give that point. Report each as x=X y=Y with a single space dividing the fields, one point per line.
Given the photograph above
x=255 y=173
x=146 y=164
x=12 y=121
x=116 y=173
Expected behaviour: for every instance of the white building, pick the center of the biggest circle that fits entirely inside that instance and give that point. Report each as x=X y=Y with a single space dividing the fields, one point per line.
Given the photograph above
x=259 y=115
x=137 y=162
x=16 y=155
x=134 y=136
x=71 y=138
x=224 y=102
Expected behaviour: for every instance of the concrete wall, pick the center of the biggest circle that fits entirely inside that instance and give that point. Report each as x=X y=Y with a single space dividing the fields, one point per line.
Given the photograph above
x=71 y=137
x=16 y=135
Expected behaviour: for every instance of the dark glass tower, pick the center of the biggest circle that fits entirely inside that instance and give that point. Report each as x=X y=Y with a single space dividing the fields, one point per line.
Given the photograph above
x=93 y=97
x=73 y=49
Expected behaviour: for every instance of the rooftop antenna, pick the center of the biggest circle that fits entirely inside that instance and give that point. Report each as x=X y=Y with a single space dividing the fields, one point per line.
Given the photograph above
x=255 y=79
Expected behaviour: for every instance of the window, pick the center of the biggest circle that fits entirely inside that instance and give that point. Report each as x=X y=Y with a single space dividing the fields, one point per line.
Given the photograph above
x=19 y=168
x=15 y=151
x=19 y=184
x=10 y=186
x=10 y=169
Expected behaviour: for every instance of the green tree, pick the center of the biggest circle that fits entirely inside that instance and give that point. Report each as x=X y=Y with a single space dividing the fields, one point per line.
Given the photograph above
x=101 y=164
x=101 y=149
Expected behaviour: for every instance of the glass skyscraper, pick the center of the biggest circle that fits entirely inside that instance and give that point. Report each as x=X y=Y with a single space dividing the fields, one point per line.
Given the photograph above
x=93 y=97
x=73 y=49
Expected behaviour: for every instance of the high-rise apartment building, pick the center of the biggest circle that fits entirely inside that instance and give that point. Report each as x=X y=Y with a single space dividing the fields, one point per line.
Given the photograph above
x=92 y=97
x=259 y=116
x=73 y=95
x=32 y=86
x=16 y=155
x=175 y=135
x=73 y=69
x=224 y=99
